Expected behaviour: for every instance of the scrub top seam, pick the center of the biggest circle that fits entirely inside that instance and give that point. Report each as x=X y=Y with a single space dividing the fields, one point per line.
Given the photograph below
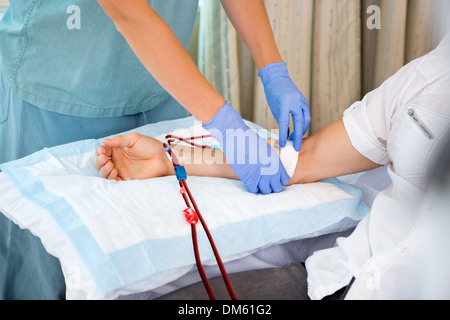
x=25 y=42
x=97 y=110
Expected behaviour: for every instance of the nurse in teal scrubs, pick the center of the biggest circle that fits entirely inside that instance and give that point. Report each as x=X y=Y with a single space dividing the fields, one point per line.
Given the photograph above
x=79 y=69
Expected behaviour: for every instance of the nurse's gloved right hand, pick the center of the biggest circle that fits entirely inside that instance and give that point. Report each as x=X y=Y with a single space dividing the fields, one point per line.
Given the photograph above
x=253 y=160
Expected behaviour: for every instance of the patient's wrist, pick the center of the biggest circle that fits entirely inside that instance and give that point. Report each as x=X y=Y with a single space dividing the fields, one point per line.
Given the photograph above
x=170 y=170
x=169 y=164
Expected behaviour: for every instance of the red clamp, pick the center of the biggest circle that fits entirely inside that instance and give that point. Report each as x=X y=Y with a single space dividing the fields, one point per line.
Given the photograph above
x=190 y=215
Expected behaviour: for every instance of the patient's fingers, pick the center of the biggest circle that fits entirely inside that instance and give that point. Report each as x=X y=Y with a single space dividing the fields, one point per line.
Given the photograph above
x=106 y=169
x=103 y=150
x=113 y=175
x=100 y=150
x=100 y=161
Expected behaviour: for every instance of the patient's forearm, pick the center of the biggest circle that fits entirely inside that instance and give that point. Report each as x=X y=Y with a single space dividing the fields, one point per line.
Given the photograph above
x=203 y=162
x=326 y=154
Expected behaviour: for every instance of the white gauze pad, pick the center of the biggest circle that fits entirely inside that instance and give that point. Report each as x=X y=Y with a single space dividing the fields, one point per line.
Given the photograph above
x=289 y=158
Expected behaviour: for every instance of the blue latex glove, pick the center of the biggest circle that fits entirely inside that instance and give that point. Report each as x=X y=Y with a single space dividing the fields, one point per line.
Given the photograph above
x=284 y=99
x=253 y=160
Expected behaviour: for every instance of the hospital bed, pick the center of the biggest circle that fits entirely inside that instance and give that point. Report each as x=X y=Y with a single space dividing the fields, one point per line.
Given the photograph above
x=129 y=240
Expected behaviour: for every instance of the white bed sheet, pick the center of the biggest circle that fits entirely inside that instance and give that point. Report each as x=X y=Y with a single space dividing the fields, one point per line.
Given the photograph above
x=270 y=257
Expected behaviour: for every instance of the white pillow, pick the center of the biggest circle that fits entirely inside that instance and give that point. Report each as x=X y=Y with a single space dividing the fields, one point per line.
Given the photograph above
x=118 y=238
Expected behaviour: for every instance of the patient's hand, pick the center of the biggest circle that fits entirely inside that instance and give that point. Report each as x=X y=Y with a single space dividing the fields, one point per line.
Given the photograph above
x=132 y=156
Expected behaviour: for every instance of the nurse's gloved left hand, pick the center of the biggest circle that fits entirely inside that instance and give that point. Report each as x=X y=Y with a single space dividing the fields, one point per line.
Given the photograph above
x=284 y=99
x=253 y=160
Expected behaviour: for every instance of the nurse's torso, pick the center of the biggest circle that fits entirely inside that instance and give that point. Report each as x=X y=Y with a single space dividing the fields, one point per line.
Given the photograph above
x=67 y=56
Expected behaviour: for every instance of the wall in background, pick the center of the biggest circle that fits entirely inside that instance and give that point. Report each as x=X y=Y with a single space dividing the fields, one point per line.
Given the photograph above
x=4 y=4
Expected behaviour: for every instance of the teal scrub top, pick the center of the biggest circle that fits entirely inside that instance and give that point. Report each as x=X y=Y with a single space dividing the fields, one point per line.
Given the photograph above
x=67 y=56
